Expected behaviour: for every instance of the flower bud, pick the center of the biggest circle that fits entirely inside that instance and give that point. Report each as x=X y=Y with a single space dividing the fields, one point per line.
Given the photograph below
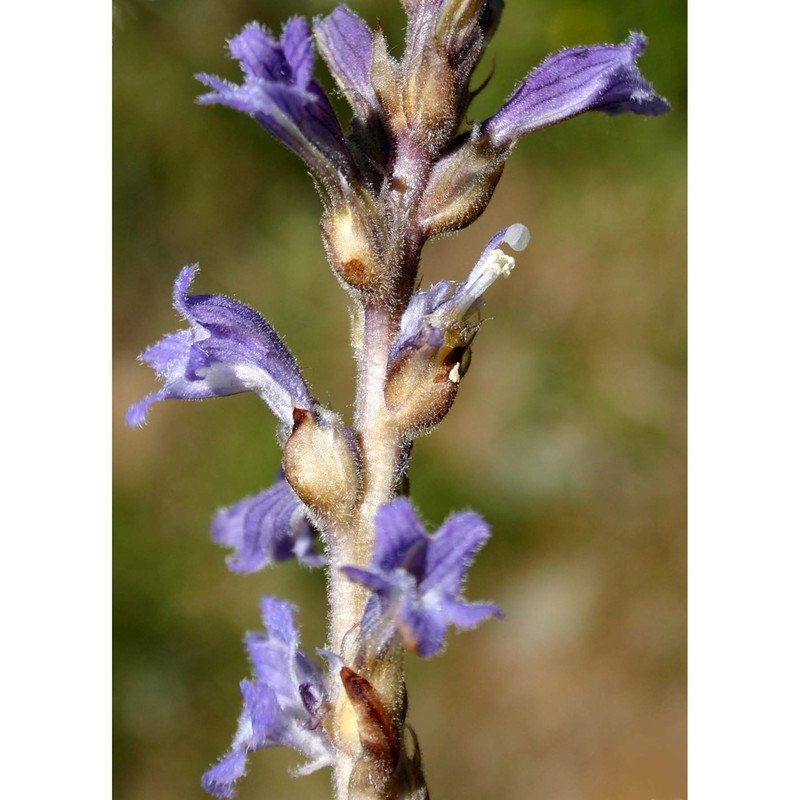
x=461 y=186
x=430 y=98
x=354 y=243
x=320 y=461
x=385 y=72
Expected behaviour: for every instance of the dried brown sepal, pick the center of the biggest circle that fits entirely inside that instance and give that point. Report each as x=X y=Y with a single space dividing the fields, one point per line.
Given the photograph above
x=376 y=729
x=371 y=779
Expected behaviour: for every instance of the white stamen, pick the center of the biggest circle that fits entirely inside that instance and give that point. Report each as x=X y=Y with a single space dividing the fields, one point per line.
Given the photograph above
x=455 y=373
x=495 y=265
x=468 y=297
x=500 y=263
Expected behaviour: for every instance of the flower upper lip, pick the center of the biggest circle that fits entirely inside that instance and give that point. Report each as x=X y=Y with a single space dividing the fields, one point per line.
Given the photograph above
x=280 y=92
x=568 y=83
x=228 y=348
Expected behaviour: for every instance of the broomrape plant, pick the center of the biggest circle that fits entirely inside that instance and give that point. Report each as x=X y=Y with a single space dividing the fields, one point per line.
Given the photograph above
x=405 y=168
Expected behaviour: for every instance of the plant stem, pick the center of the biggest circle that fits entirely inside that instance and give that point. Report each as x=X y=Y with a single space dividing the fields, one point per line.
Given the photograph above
x=353 y=543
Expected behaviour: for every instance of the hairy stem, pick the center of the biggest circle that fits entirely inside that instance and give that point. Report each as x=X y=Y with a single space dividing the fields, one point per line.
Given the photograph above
x=354 y=543
x=381 y=450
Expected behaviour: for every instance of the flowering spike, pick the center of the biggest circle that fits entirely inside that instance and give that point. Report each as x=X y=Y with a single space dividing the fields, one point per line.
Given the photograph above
x=268 y=527
x=407 y=169
x=417 y=579
x=597 y=78
x=229 y=348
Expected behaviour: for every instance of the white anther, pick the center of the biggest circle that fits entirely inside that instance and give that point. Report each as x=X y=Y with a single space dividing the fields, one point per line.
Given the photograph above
x=500 y=264
x=496 y=264
x=455 y=373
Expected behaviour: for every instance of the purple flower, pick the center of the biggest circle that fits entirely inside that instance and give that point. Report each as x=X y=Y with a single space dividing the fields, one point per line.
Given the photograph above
x=281 y=706
x=597 y=78
x=268 y=527
x=228 y=348
x=280 y=92
x=443 y=308
x=345 y=42
x=417 y=579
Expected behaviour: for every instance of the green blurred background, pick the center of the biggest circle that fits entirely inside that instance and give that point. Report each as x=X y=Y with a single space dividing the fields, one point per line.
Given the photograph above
x=568 y=434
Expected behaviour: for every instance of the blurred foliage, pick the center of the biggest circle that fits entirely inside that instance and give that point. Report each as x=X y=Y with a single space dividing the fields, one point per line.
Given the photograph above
x=568 y=433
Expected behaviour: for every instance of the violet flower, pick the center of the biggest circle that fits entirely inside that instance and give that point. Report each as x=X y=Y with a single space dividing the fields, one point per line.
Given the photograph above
x=417 y=579
x=598 y=78
x=228 y=348
x=447 y=307
x=432 y=350
x=268 y=527
x=281 y=93
x=282 y=704
x=345 y=42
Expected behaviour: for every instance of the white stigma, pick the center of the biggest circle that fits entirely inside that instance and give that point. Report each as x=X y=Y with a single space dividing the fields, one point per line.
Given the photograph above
x=517 y=237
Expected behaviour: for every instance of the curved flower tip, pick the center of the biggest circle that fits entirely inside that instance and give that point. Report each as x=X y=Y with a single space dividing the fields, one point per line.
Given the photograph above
x=417 y=579
x=597 y=78
x=220 y=779
x=280 y=92
x=229 y=348
x=268 y=527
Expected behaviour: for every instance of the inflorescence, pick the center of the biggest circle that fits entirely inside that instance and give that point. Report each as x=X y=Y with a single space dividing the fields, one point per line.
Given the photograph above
x=406 y=168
